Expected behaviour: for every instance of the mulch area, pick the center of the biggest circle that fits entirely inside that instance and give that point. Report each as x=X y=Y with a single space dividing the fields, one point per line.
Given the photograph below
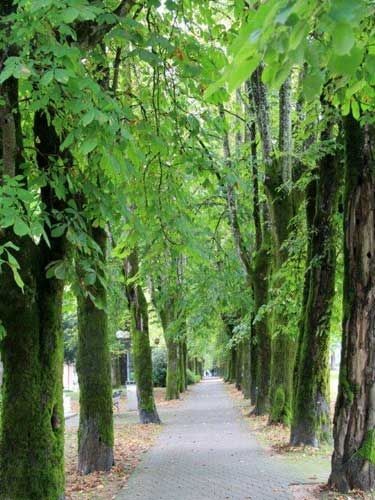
x=132 y=440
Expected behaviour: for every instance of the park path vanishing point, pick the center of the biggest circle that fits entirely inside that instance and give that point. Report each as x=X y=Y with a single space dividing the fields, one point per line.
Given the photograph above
x=206 y=452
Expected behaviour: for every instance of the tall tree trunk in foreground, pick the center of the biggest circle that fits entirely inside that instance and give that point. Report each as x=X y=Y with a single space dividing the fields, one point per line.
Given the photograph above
x=95 y=434
x=32 y=430
x=311 y=420
x=140 y=343
x=353 y=460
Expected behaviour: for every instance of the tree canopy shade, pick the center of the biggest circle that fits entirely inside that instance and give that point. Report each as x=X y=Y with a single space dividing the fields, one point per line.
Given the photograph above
x=183 y=161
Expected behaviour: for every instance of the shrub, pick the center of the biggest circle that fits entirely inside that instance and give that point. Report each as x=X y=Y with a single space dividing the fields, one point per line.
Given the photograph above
x=159 y=367
x=191 y=377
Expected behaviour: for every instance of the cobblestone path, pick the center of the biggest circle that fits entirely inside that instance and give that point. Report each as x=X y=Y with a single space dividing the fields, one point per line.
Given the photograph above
x=206 y=452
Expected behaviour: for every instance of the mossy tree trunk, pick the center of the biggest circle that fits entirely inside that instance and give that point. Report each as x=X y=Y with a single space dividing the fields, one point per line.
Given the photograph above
x=281 y=207
x=182 y=361
x=142 y=359
x=95 y=433
x=173 y=370
x=262 y=334
x=32 y=424
x=253 y=367
x=261 y=356
x=238 y=374
x=186 y=358
x=246 y=372
x=311 y=420
x=353 y=460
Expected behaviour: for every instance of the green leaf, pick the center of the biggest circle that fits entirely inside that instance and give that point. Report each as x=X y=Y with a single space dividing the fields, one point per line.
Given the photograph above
x=347 y=64
x=61 y=75
x=69 y=15
x=343 y=39
x=17 y=277
x=355 y=109
x=47 y=78
x=90 y=278
x=88 y=117
x=88 y=145
x=312 y=85
x=20 y=228
x=58 y=231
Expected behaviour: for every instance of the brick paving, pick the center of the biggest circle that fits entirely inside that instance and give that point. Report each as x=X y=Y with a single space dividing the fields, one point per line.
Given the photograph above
x=206 y=452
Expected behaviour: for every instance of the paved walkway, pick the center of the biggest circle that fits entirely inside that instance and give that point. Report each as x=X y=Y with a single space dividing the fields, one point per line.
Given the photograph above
x=206 y=452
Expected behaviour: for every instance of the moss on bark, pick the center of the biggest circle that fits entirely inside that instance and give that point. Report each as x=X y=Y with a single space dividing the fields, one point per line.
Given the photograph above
x=32 y=432
x=32 y=427
x=262 y=334
x=95 y=434
x=246 y=373
x=311 y=420
x=238 y=369
x=182 y=365
x=142 y=359
x=281 y=389
x=173 y=368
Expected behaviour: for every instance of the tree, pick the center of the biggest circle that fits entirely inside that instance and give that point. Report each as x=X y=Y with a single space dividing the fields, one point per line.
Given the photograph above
x=140 y=342
x=311 y=419
x=95 y=433
x=353 y=461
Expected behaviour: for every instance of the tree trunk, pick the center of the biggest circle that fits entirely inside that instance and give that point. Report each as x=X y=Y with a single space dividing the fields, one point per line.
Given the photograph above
x=238 y=373
x=262 y=332
x=353 y=461
x=186 y=358
x=311 y=420
x=142 y=359
x=253 y=367
x=183 y=364
x=95 y=434
x=232 y=364
x=32 y=434
x=195 y=362
x=173 y=387
x=280 y=202
x=246 y=373
x=32 y=424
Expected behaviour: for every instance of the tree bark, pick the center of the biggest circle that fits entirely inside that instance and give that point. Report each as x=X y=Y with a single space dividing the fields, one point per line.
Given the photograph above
x=173 y=369
x=262 y=333
x=238 y=374
x=246 y=371
x=311 y=420
x=140 y=343
x=95 y=434
x=281 y=209
x=32 y=427
x=353 y=460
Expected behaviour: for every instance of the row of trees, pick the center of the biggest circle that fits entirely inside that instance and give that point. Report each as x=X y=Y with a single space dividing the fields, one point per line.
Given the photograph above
x=325 y=130
x=129 y=165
